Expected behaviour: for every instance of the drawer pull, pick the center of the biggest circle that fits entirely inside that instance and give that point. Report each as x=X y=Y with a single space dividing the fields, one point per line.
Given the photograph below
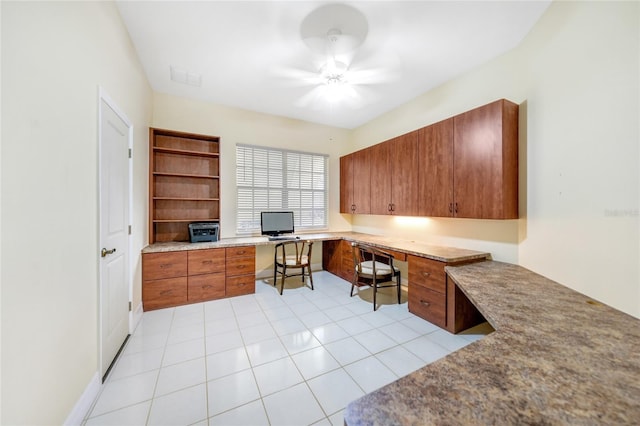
x=425 y=303
x=204 y=287
x=241 y=266
x=426 y=274
x=241 y=252
x=166 y=293
x=165 y=265
x=207 y=262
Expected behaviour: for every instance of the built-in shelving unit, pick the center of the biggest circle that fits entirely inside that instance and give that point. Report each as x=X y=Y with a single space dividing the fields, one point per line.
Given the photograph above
x=184 y=183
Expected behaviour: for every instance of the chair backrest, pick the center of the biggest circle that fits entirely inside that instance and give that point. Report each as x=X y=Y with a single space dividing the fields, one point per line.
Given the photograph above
x=287 y=248
x=363 y=253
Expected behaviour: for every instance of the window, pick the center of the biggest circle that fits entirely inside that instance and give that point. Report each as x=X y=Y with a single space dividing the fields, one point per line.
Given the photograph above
x=270 y=179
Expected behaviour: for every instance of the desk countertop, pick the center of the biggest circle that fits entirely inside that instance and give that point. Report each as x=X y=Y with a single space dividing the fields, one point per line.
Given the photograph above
x=556 y=357
x=443 y=254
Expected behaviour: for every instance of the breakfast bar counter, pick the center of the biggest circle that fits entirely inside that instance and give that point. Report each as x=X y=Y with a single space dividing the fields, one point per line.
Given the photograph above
x=555 y=357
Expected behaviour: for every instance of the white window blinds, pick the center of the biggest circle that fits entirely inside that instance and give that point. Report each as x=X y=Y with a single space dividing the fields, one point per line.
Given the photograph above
x=270 y=179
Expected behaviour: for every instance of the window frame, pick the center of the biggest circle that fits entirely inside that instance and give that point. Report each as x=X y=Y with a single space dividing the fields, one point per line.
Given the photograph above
x=302 y=188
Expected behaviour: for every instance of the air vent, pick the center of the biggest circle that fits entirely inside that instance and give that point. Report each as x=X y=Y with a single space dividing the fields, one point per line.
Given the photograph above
x=182 y=76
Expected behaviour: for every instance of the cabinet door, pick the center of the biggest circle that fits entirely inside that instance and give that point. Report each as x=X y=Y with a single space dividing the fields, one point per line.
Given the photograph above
x=361 y=190
x=346 y=184
x=486 y=162
x=404 y=174
x=164 y=265
x=435 y=171
x=380 y=178
x=206 y=287
x=206 y=261
x=164 y=293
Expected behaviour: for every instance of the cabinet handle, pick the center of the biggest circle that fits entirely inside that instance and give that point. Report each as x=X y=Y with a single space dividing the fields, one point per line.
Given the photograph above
x=456 y=209
x=426 y=274
x=389 y=207
x=450 y=207
x=207 y=262
x=241 y=266
x=240 y=252
x=393 y=207
x=207 y=286
x=425 y=303
x=166 y=292
x=353 y=208
x=165 y=265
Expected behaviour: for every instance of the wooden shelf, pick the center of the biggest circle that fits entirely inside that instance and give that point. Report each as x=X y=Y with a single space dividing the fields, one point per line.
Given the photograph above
x=183 y=220
x=187 y=175
x=186 y=152
x=184 y=183
x=184 y=199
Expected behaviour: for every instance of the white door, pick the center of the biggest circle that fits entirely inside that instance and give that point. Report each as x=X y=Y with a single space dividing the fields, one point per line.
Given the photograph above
x=114 y=226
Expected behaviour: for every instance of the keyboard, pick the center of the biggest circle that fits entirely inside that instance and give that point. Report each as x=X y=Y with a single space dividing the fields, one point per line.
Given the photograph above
x=284 y=238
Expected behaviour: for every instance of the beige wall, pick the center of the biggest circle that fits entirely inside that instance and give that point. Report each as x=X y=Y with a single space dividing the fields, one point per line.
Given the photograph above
x=240 y=126
x=54 y=57
x=576 y=78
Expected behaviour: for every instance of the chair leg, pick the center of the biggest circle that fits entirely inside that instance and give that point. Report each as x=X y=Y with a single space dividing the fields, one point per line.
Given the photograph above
x=310 y=276
x=275 y=274
x=399 y=288
x=353 y=283
x=375 y=288
x=284 y=275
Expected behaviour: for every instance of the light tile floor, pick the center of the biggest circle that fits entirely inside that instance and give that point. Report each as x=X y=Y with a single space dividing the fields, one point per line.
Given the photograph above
x=295 y=359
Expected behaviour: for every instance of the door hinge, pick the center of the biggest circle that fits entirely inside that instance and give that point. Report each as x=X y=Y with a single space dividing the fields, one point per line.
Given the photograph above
x=130 y=153
x=129 y=229
x=129 y=306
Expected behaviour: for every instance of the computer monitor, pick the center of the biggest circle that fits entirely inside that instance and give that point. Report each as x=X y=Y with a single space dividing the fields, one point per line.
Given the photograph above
x=276 y=223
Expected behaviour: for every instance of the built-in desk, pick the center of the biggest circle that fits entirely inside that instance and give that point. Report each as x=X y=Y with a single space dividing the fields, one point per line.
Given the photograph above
x=556 y=357
x=177 y=273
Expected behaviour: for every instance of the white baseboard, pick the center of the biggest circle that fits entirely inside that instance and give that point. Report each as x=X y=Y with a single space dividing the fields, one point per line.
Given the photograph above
x=82 y=407
x=134 y=318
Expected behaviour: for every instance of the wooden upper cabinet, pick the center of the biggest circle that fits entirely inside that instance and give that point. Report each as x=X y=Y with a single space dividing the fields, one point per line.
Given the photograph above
x=404 y=174
x=355 y=193
x=465 y=166
x=346 y=184
x=486 y=162
x=435 y=174
x=380 y=178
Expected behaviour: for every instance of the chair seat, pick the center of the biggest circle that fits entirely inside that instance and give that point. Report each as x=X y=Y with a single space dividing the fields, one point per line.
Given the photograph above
x=292 y=261
x=382 y=269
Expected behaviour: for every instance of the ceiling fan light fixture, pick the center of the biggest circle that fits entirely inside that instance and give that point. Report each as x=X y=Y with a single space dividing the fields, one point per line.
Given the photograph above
x=333 y=72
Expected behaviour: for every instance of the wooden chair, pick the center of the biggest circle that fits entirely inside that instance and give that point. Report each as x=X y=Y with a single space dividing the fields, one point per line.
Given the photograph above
x=284 y=259
x=373 y=267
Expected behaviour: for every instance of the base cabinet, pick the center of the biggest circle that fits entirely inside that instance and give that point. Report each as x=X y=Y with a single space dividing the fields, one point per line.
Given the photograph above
x=182 y=277
x=435 y=298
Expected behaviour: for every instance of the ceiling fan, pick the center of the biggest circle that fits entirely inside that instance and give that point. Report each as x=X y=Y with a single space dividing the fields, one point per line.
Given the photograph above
x=337 y=69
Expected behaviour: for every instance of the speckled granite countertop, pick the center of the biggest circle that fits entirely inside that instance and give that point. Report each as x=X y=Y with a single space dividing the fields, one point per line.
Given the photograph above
x=556 y=357
x=443 y=254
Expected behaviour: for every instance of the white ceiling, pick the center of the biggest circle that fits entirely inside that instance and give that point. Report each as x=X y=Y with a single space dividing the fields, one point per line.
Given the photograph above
x=251 y=55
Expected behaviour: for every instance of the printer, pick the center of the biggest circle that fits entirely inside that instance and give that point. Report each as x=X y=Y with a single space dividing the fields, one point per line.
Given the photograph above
x=200 y=232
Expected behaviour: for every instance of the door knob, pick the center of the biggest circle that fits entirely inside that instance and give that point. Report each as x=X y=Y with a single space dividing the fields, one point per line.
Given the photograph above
x=104 y=252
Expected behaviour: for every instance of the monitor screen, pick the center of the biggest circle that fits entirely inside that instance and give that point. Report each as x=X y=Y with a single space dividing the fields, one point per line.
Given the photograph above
x=276 y=223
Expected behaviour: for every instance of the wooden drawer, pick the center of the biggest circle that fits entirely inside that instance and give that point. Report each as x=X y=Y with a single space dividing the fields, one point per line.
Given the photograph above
x=241 y=251
x=242 y=284
x=427 y=273
x=241 y=266
x=206 y=261
x=158 y=294
x=206 y=287
x=428 y=304
x=157 y=266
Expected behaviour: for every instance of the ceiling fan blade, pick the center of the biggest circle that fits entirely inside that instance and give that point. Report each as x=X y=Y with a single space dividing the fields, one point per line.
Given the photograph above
x=311 y=98
x=296 y=77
